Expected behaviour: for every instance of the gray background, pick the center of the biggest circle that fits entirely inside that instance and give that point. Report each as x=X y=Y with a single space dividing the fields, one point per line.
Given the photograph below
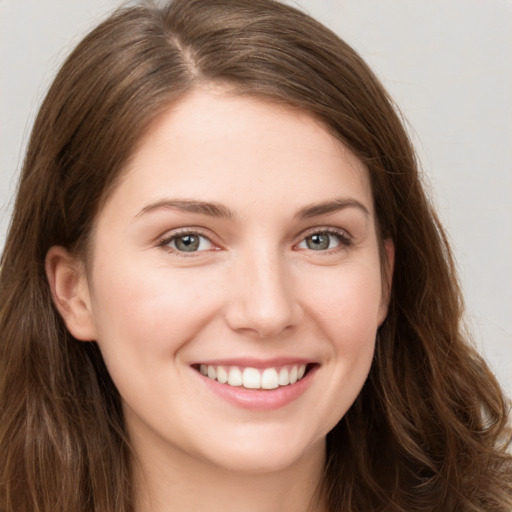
x=447 y=64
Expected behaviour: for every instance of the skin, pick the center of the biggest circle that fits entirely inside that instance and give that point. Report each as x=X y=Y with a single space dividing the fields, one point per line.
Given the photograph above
x=254 y=289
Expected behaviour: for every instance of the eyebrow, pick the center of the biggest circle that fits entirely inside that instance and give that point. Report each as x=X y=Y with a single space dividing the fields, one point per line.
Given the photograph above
x=190 y=205
x=327 y=207
x=218 y=210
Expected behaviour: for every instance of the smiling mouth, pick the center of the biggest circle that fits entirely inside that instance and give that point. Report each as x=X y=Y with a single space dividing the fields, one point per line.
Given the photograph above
x=254 y=378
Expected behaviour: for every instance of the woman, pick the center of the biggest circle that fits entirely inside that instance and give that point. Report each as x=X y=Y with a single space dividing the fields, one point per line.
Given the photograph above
x=224 y=288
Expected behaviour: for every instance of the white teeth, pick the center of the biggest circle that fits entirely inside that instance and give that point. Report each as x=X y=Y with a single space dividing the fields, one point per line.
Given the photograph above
x=284 y=377
x=293 y=374
x=253 y=378
x=222 y=375
x=269 y=379
x=235 y=377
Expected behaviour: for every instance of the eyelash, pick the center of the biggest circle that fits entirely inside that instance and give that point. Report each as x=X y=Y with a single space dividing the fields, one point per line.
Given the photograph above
x=165 y=242
x=345 y=241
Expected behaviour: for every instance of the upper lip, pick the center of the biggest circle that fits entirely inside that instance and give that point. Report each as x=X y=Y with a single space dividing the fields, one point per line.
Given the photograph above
x=255 y=362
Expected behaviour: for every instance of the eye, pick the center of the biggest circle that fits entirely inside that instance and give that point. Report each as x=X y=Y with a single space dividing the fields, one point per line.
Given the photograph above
x=188 y=242
x=324 y=240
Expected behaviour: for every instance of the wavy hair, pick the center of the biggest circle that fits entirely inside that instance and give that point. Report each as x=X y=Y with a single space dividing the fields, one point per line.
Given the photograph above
x=427 y=432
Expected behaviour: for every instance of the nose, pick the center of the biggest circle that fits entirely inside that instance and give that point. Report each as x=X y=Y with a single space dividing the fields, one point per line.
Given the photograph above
x=263 y=302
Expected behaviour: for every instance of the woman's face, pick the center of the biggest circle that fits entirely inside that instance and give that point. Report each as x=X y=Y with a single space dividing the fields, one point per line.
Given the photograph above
x=241 y=244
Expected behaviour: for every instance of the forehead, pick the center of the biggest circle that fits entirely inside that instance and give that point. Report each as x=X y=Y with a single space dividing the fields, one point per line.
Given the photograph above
x=219 y=146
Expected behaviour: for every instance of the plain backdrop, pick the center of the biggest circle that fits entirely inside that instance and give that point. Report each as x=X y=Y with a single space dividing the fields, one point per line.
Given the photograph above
x=448 y=64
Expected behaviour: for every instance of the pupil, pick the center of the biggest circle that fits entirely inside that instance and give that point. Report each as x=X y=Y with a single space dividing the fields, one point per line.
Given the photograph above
x=187 y=243
x=318 y=242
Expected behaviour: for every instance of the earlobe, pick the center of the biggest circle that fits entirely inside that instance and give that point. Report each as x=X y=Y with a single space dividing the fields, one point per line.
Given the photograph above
x=70 y=291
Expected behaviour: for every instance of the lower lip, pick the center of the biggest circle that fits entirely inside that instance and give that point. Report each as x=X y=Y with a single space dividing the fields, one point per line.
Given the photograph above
x=260 y=399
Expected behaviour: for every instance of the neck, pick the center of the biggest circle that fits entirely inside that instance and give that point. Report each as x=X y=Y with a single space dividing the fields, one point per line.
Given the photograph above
x=166 y=482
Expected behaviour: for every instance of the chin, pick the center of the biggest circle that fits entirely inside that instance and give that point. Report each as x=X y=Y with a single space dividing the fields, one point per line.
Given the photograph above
x=265 y=452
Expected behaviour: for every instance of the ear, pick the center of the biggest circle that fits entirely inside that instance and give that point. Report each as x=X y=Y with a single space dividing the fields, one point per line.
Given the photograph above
x=70 y=291
x=388 y=265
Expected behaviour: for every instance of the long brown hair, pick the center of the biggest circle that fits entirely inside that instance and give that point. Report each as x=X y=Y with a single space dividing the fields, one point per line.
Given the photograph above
x=428 y=431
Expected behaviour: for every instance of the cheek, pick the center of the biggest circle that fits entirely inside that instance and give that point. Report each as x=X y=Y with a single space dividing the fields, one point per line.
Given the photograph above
x=345 y=308
x=150 y=312
x=346 y=302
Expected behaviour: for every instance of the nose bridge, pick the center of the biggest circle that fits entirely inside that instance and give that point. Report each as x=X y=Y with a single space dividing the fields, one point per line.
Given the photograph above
x=263 y=300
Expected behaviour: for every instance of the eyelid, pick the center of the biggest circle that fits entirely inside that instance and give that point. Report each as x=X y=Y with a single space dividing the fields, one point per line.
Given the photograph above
x=325 y=229
x=346 y=238
x=164 y=240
